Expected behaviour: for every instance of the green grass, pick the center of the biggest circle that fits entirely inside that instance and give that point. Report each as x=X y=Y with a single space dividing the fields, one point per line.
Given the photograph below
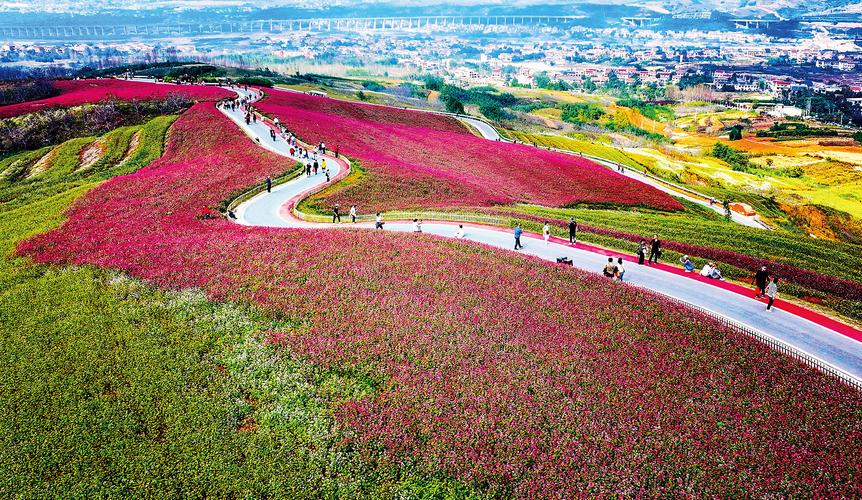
x=578 y=146
x=62 y=173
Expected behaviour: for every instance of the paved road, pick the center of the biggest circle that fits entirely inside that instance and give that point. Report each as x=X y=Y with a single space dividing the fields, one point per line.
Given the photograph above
x=267 y=209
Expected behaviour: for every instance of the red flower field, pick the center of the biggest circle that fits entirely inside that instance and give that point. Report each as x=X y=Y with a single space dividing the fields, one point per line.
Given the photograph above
x=518 y=377
x=76 y=92
x=416 y=159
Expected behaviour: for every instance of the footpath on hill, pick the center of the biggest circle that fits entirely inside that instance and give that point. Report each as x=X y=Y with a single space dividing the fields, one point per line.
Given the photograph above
x=817 y=336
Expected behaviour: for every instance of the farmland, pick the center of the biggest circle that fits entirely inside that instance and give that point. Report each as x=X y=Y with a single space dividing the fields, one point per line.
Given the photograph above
x=77 y=92
x=423 y=160
x=314 y=362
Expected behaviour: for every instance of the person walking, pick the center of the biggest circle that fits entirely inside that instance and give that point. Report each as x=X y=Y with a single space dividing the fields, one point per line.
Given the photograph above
x=655 y=250
x=642 y=249
x=518 y=233
x=336 y=214
x=771 y=292
x=323 y=164
x=268 y=184
x=610 y=269
x=460 y=232
x=761 y=278
x=378 y=221
x=546 y=233
x=573 y=231
x=308 y=169
x=326 y=172
x=353 y=213
x=315 y=166
x=621 y=269
x=417 y=226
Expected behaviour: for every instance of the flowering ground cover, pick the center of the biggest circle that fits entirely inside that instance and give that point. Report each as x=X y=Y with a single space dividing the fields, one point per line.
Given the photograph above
x=509 y=375
x=77 y=92
x=420 y=160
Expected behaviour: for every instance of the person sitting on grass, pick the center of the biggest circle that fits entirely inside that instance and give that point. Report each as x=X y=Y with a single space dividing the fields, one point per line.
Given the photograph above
x=687 y=263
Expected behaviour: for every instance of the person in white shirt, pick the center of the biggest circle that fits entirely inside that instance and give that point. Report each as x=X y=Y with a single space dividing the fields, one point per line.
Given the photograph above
x=417 y=226
x=460 y=233
x=378 y=221
x=546 y=231
x=353 y=213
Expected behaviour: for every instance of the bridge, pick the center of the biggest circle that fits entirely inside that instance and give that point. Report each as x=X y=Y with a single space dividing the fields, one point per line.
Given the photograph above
x=639 y=22
x=276 y=26
x=753 y=23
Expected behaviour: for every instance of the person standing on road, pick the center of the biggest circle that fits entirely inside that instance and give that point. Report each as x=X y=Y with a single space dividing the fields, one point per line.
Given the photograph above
x=772 y=292
x=546 y=232
x=655 y=249
x=761 y=278
x=518 y=233
x=336 y=214
x=378 y=221
x=573 y=231
x=610 y=269
x=308 y=169
x=417 y=226
x=460 y=233
x=268 y=184
x=642 y=250
x=621 y=269
x=353 y=213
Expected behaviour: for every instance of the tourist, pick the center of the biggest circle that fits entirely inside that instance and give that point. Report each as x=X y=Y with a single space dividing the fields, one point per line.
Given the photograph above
x=761 y=278
x=323 y=147
x=546 y=232
x=353 y=213
x=326 y=171
x=642 y=249
x=573 y=231
x=610 y=269
x=308 y=169
x=315 y=166
x=272 y=133
x=518 y=233
x=323 y=164
x=655 y=250
x=268 y=184
x=772 y=292
x=417 y=226
x=336 y=214
x=710 y=271
x=621 y=269
x=378 y=221
x=687 y=264
x=460 y=232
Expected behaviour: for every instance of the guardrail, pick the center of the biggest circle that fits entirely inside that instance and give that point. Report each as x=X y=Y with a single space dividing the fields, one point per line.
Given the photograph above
x=776 y=344
x=402 y=215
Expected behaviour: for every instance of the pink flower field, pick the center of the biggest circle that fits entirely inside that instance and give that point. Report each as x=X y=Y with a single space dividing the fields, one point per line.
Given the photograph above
x=518 y=377
x=416 y=159
x=77 y=92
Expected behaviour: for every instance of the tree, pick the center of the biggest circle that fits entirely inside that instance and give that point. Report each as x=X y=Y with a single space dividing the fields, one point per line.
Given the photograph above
x=588 y=85
x=453 y=105
x=857 y=136
x=735 y=133
x=361 y=95
x=541 y=80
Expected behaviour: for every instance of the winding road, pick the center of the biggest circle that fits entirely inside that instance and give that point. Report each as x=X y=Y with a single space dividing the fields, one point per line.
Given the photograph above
x=827 y=341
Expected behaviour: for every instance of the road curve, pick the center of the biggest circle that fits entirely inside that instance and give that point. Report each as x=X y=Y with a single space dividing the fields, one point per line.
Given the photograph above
x=817 y=336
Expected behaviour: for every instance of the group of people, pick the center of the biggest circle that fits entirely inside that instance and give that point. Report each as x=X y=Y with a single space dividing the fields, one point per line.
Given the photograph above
x=614 y=270
x=654 y=250
x=336 y=213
